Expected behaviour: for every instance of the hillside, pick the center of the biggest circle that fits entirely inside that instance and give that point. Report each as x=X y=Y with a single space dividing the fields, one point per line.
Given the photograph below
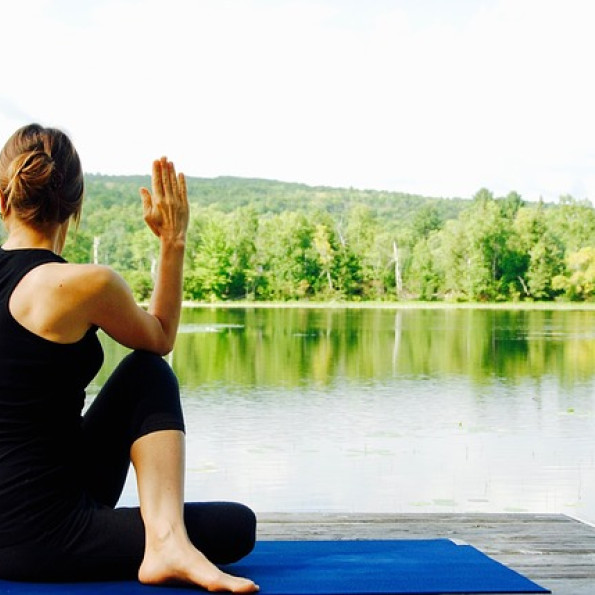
x=271 y=196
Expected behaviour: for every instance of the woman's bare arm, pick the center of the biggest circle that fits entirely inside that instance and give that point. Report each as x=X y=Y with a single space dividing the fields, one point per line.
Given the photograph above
x=166 y=213
x=113 y=309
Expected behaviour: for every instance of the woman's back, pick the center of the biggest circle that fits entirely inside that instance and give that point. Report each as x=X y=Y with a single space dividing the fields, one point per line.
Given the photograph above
x=42 y=386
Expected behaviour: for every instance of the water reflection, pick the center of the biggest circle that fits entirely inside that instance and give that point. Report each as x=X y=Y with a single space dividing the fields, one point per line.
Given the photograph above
x=380 y=410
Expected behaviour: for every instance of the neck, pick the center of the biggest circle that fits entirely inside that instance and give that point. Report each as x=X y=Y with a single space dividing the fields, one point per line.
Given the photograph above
x=22 y=235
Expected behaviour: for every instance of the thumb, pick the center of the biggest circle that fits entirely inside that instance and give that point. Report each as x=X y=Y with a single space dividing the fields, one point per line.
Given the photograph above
x=147 y=210
x=146 y=198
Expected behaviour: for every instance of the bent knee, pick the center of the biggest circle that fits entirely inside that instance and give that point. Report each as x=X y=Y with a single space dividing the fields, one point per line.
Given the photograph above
x=246 y=537
x=149 y=368
x=224 y=531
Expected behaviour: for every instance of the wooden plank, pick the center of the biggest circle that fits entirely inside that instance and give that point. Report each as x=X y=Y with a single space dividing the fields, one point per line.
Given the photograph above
x=555 y=551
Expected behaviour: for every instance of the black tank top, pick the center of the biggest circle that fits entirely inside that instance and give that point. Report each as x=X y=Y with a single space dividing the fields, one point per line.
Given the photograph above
x=42 y=392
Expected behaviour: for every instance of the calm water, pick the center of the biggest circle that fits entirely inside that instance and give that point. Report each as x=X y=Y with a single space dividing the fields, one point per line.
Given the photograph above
x=379 y=410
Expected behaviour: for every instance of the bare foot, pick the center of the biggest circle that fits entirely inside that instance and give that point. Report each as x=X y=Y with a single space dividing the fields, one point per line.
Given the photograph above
x=174 y=560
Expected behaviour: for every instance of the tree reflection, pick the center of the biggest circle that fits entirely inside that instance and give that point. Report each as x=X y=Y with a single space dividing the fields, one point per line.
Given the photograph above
x=293 y=347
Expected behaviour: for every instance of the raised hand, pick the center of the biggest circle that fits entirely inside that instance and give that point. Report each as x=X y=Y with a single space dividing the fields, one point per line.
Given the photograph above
x=165 y=210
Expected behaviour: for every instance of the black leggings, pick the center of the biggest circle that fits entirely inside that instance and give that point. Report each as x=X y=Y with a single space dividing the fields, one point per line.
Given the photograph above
x=107 y=543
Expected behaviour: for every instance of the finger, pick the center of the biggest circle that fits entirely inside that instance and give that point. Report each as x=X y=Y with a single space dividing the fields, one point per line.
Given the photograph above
x=183 y=199
x=173 y=178
x=156 y=179
x=166 y=177
x=182 y=186
x=146 y=198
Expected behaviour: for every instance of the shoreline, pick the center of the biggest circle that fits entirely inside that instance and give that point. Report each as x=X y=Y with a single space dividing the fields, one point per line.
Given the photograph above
x=340 y=305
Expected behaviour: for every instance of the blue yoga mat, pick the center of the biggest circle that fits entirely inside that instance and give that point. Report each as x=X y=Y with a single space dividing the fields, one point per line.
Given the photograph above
x=435 y=566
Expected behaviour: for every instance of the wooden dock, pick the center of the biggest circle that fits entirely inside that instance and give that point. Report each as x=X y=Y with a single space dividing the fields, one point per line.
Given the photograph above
x=555 y=551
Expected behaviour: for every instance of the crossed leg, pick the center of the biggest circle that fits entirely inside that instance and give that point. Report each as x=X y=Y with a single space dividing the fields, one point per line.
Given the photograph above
x=158 y=459
x=126 y=423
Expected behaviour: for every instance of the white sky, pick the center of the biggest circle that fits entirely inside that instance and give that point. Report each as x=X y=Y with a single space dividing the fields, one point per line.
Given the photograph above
x=438 y=97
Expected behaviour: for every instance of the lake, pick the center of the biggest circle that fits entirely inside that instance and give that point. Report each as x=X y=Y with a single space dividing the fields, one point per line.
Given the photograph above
x=387 y=410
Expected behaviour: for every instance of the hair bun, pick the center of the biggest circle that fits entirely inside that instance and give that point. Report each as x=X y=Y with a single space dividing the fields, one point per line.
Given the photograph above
x=41 y=175
x=30 y=171
x=56 y=179
x=34 y=182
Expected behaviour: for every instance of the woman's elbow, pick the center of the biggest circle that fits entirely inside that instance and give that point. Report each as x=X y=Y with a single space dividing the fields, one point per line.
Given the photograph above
x=164 y=347
x=156 y=343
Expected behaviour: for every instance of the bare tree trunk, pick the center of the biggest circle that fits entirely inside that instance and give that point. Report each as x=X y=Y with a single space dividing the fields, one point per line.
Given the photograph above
x=96 y=241
x=525 y=288
x=341 y=236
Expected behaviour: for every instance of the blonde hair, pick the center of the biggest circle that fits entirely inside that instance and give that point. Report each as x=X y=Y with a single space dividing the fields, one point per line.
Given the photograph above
x=41 y=176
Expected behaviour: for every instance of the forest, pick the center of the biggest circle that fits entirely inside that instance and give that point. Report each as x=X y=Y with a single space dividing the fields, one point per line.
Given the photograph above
x=265 y=240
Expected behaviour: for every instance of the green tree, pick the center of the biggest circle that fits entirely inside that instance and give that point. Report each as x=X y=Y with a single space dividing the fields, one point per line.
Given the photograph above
x=579 y=284
x=426 y=220
x=453 y=259
x=510 y=205
x=212 y=259
x=243 y=230
x=545 y=262
x=425 y=277
x=286 y=257
x=78 y=247
x=326 y=253
x=361 y=232
x=487 y=237
x=529 y=227
x=573 y=222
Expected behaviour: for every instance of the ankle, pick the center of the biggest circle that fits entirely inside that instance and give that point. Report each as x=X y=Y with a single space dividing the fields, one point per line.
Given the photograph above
x=164 y=531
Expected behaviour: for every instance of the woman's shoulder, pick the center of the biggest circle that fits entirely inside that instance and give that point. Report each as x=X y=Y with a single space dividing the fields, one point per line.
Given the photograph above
x=56 y=300
x=74 y=277
x=88 y=271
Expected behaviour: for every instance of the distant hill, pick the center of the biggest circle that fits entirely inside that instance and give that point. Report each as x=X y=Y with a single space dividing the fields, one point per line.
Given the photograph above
x=272 y=196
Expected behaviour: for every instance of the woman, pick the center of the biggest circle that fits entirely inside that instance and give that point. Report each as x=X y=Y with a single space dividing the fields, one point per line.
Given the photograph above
x=61 y=473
